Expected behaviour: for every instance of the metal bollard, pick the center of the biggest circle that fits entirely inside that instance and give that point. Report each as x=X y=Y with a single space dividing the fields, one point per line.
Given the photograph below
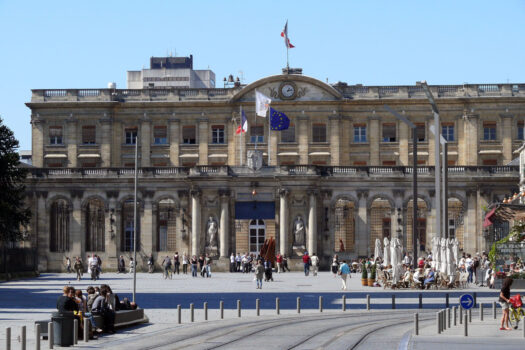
x=221 y=307
x=50 y=335
x=416 y=324
x=448 y=317
x=258 y=307
x=481 y=311
x=23 y=338
x=455 y=315
x=86 y=330
x=446 y=300
x=277 y=307
x=238 y=308
x=192 y=314
x=298 y=305
x=393 y=301
x=75 y=331
x=465 y=324
x=460 y=315
x=444 y=319
x=205 y=311
x=320 y=304
x=179 y=314
x=344 y=303
x=470 y=315
x=8 y=338
x=438 y=323
x=37 y=336
x=494 y=309
x=523 y=329
x=368 y=302
x=475 y=299
x=420 y=300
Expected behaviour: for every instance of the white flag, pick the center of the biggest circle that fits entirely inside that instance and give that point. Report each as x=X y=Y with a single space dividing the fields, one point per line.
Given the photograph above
x=262 y=103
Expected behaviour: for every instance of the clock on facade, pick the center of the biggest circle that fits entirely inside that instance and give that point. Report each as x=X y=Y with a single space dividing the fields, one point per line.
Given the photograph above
x=287 y=91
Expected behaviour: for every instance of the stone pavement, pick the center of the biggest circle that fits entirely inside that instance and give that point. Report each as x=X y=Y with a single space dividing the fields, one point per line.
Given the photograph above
x=24 y=301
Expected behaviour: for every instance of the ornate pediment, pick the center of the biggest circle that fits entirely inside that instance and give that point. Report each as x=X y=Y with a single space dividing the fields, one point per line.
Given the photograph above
x=289 y=87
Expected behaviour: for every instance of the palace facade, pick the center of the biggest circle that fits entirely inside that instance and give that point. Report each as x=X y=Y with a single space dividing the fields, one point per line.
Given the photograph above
x=343 y=168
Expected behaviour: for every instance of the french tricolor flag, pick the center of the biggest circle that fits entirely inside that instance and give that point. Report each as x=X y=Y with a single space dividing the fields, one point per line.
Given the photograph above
x=244 y=123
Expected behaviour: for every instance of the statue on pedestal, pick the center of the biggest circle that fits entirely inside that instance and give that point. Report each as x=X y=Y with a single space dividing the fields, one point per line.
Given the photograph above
x=211 y=234
x=299 y=232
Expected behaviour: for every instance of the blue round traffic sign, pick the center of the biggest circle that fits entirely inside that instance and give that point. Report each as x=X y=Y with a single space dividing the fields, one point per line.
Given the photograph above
x=466 y=301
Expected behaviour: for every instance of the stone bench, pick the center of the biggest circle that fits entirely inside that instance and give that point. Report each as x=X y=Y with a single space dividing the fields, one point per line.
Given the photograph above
x=123 y=318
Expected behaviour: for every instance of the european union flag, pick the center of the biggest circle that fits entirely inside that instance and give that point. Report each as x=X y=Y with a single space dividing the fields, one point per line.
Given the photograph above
x=278 y=120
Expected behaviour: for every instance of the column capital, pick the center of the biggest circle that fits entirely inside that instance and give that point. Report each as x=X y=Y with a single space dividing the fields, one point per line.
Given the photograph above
x=471 y=192
x=112 y=194
x=41 y=194
x=362 y=194
x=195 y=192
x=147 y=193
x=506 y=115
x=224 y=193
x=431 y=193
x=77 y=194
x=182 y=193
x=398 y=193
x=325 y=193
x=312 y=191
x=173 y=120
x=283 y=192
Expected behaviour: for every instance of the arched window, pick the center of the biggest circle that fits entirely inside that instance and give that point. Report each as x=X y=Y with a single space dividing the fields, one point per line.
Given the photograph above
x=59 y=226
x=381 y=223
x=95 y=230
x=126 y=241
x=344 y=226
x=257 y=235
x=421 y=231
x=166 y=228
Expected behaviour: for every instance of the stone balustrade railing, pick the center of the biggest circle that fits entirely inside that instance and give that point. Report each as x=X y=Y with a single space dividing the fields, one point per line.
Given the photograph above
x=290 y=170
x=348 y=91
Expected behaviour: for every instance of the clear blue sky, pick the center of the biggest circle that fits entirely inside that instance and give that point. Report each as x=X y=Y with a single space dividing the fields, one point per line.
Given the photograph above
x=86 y=44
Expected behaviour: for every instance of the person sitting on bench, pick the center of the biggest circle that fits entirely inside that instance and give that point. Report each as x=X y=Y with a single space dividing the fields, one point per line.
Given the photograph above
x=101 y=307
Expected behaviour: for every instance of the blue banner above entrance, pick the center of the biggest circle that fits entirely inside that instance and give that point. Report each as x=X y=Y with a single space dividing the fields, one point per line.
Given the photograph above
x=254 y=210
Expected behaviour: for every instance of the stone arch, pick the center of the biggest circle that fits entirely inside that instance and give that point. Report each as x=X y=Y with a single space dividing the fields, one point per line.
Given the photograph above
x=384 y=196
x=59 y=209
x=57 y=197
x=456 y=210
x=408 y=223
x=344 y=212
x=86 y=201
x=380 y=210
x=425 y=198
x=94 y=223
x=125 y=212
x=166 y=223
x=345 y=196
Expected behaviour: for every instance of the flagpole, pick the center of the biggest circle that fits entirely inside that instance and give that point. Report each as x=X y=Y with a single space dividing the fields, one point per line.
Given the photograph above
x=268 y=135
x=242 y=127
x=255 y=118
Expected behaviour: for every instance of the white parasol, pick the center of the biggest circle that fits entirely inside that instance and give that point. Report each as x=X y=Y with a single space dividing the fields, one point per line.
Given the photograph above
x=396 y=251
x=377 y=251
x=386 y=255
x=455 y=250
x=436 y=252
x=451 y=263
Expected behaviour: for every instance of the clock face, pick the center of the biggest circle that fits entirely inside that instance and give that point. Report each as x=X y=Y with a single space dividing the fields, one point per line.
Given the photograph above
x=288 y=90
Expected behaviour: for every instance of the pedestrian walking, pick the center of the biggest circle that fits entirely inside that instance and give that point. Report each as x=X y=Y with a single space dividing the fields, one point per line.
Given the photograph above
x=268 y=271
x=306 y=263
x=285 y=264
x=314 y=259
x=238 y=260
x=167 y=267
x=176 y=263
x=131 y=265
x=335 y=265
x=344 y=271
x=150 y=263
x=504 y=301
x=68 y=264
x=207 y=265
x=121 y=265
x=193 y=262
x=201 y=265
x=232 y=262
x=185 y=262
x=259 y=273
x=279 y=261
x=79 y=268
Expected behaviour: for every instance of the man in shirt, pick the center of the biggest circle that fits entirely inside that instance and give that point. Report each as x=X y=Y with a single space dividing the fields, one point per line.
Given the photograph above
x=344 y=271
x=306 y=263
x=314 y=259
x=238 y=260
x=468 y=265
x=167 y=267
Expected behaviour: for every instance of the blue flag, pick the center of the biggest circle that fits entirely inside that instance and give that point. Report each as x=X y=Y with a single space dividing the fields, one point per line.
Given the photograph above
x=278 y=120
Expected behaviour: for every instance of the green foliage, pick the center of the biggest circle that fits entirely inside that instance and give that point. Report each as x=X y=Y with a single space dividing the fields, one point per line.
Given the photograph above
x=515 y=235
x=364 y=273
x=14 y=215
x=518 y=275
x=373 y=272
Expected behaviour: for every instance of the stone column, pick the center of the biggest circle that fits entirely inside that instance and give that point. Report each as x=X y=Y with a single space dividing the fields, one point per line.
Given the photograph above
x=471 y=139
x=335 y=144
x=312 y=222
x=224 y=228
x=431 y=143
x=375 y=139
x=145 y=142
x=469 y=231
x=506 y=137
x=116 y=149
x=71 y=142
x=195 y=221
x=347 y=134
x=283 y=221
x=112 y=229
x=42 y=230
x=203 y=141
x=403 y=143
x=460 y=137
x=77 y=241
x=362 y=229
x=37 y=141
x=146 y=224
x=273 y=146
x=304 y=137
x=174 y=130
x=105 y=141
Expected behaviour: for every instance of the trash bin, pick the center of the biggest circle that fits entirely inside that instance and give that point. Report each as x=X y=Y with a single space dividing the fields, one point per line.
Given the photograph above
x=63 y=323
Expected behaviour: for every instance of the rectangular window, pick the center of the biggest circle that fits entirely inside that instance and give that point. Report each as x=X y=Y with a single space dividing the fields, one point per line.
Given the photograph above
x=389 y=132
x=319 y=133
x=489 y=131
x=359 y=133
x=520 y=130
x=89 y=164
x=447 y=130
x=389 y=163
x=420 y=132
x=54 y=165
x=129 y=165
x=160 y=164
x=256 y=133
x=288 y=135
x=359 y=163
x=160 y=135
x=490 y=162
x=217 y=134
x=55 y=135
x=131 y=136
x=188 y=135
x=89 y=136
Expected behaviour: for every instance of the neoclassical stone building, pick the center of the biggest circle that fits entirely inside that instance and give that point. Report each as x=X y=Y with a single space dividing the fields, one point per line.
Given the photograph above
x=342 y=169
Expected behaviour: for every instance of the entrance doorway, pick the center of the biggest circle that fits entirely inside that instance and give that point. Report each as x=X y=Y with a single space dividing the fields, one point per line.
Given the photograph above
x=257 y=231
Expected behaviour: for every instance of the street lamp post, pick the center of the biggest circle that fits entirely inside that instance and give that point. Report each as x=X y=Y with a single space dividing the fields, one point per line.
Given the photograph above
x=135 y=224
x=414 y=180
x=444 y=145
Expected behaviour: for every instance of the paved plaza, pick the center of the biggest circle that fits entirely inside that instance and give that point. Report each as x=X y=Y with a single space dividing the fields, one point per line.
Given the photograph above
x=24 y=301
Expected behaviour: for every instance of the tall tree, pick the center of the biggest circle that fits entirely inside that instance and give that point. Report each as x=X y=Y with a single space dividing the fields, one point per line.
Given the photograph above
x=14 y=215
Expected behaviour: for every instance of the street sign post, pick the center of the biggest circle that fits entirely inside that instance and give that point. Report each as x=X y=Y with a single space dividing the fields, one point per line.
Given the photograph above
x=466 y=301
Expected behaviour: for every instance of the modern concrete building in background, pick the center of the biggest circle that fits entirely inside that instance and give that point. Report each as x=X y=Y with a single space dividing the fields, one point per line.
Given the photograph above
x=342 y=168
x=167 y=72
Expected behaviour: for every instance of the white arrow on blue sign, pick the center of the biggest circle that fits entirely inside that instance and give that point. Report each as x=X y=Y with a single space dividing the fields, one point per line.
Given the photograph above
x=466 y=301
